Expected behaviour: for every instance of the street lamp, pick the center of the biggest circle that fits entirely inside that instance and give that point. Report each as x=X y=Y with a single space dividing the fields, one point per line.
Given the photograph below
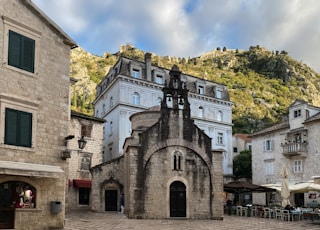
x=82 y=143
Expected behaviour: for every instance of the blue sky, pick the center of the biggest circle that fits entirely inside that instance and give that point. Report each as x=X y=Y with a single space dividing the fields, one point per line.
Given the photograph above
x=184 y=28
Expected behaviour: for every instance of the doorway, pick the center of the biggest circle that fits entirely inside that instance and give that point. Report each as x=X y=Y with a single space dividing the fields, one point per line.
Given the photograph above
x=299 y=199
x=111 y=200
x=178 y=200
x=84 y=196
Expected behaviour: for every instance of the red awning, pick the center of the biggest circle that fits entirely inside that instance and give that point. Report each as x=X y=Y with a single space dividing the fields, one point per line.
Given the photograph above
x=82 y=183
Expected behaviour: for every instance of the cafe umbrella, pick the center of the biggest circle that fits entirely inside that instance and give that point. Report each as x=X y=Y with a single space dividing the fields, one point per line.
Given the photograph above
x=239 y=187
x=285 y=191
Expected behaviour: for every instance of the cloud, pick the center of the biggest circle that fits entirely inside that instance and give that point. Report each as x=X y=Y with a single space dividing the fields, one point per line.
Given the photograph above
x=190 y=27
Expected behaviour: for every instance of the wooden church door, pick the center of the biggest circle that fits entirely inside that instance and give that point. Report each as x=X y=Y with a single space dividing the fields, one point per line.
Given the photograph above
x=178 y=199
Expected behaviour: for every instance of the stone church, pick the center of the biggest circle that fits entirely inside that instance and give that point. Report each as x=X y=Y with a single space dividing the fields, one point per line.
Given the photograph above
x=168 y=169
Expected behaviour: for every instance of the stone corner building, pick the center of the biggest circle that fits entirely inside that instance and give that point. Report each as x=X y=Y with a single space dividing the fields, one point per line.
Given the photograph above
x=34 y=117
x=168 y=168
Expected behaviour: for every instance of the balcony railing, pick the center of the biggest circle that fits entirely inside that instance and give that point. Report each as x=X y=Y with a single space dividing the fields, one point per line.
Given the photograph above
x=292 y=149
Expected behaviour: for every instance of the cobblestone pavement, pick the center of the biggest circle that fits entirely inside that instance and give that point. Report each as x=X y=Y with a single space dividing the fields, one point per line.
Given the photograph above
x=85 y=220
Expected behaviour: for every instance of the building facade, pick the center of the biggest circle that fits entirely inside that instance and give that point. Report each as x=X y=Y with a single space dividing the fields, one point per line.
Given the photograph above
x=34 y=118
x=292 y=143
x=241 y=142
x=168 y=168
x=133 y=86
x=81 y=158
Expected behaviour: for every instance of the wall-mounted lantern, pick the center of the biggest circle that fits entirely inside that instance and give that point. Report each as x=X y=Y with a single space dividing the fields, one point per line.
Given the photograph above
x=82 y=143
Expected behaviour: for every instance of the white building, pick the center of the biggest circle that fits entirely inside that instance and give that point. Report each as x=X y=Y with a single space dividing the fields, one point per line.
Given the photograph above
x=294 y=143
x=133 y=86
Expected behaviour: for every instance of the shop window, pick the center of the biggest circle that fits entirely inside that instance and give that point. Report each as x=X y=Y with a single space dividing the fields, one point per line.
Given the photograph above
x=17 y=194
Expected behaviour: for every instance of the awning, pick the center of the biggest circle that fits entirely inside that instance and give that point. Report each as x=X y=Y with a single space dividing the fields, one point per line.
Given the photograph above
x=82 y=183
x=28 y=169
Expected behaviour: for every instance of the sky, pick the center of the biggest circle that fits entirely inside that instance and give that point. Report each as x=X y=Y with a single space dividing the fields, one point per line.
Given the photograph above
x=189 y=28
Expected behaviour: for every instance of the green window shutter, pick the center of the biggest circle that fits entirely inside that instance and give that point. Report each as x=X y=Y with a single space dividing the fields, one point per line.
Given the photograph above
x=27 y=57
x=14 y=49
x=25 y=132
x=18 y=128
x=11 y=127
x=21 y=51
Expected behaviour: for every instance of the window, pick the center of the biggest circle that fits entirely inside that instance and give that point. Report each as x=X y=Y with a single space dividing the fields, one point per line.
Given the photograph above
x=86 y=130
x=220 y=139
x=103 y=109
x=111 y=128
x=18 y=128
x=111 y=102
x=297 y=113
x=177 y=161
x=268 y=145
x=269 y=166
x=297 y=138
x=201 y=112
x=19 y=193
x=219 y=115
x=135 y=73
x=200 y=89
x=235 y=149
x=85 y=161
x=21 y=51
x=159 y=99
x=159 y=79
x=297 y=168
x=219 y=94
x=136 y=98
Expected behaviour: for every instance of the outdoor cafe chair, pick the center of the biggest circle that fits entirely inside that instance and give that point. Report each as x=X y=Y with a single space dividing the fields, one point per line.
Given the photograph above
x=254 y=211
x=277 y=213
x=266 y=212
x=286 y=215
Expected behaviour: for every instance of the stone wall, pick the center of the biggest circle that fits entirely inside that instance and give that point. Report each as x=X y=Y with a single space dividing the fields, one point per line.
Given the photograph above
x=93 y=148
x=45 y=94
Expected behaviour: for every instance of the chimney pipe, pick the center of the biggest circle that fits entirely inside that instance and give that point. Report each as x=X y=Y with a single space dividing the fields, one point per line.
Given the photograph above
x=147 y=59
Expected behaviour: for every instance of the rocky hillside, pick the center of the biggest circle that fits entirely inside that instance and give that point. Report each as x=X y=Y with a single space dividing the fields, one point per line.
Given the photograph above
x=261 y=83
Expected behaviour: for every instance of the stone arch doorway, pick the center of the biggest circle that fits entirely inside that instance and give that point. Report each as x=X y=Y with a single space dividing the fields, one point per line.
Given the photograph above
x=178 y=201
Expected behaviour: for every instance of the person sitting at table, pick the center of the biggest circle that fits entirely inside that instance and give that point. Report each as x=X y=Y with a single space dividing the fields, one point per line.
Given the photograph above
x=289 y=208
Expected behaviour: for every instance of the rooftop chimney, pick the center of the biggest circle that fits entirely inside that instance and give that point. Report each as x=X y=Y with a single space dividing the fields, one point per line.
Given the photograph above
x=147 y=59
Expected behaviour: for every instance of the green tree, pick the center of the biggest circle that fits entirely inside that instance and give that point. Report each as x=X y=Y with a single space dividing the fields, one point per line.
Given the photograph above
x=242 y=165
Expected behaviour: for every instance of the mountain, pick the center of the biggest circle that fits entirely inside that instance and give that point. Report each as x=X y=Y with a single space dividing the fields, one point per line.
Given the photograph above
x=261 y=83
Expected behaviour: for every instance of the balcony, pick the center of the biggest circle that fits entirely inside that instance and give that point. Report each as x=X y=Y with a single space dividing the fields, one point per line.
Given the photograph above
x=294 y=149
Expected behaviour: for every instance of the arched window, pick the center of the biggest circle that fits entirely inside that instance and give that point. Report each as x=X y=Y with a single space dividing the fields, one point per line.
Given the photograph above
x=159 y=99
x=219 y=115
x=136 y=98
x=103 y=109
x=201 y=112
x=17 y=193
x=111 y=128
x=177 y=161
x=111 y=102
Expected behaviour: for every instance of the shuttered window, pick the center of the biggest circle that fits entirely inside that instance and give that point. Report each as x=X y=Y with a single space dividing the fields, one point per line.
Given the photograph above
x=21 y=51
x=18 y=128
